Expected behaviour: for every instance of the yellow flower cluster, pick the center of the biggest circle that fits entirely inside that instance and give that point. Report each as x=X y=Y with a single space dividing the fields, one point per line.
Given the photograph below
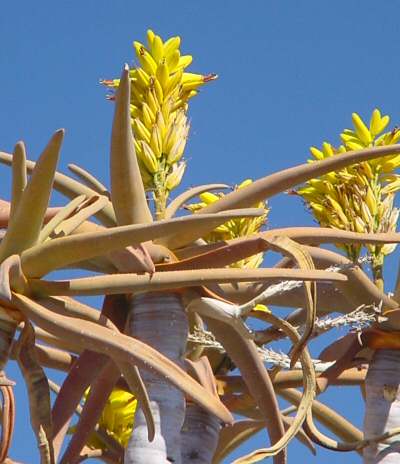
x=160 y=93
x=116 y=419
x=358 y=198
x=234 y=228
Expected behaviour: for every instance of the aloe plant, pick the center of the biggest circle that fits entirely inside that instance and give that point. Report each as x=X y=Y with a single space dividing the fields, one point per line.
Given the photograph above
x=178 y=290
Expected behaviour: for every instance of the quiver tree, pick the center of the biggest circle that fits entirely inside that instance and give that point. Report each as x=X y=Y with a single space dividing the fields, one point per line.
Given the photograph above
x=360 y=198
x=174 y=317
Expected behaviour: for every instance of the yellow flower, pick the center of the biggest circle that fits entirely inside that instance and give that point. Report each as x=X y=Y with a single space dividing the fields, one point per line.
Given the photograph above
x=234 y=228
x=358 y=198
x=160 y=92
x=116 y=419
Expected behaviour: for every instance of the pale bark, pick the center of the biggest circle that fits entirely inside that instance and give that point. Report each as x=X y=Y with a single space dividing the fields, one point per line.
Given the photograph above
x=200 y=433
x=382 y=409
x=159 y=320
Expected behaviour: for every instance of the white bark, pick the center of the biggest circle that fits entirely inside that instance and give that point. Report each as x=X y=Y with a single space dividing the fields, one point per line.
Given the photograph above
x=159 y=320
x=382 y=411
x=200 y=435
x=139 y=450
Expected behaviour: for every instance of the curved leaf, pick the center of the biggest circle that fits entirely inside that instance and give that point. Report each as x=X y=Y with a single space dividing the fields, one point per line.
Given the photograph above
x=359 y=289
x=303 y=235
x=187 y=235
x=79 y=378
x=89 y=179
x=303 y=260
x=73 y=308
x=280 y=181
x=121 y=348
x=100 y=390
x=181 y=199
x=232 y=437
x=306 y=401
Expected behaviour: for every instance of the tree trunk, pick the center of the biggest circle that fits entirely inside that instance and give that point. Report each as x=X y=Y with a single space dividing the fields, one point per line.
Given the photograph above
x=382 y=410
x=200 y=435
x=159 y=319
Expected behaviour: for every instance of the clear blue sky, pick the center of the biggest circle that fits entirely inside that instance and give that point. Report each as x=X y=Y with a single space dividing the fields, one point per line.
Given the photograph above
x=291 y=73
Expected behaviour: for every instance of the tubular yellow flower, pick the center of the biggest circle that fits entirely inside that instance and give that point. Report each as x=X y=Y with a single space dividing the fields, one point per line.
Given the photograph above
x=116 y=419
x=234 y=228
x=358 y=198
x=175 y=176
x=161 y=90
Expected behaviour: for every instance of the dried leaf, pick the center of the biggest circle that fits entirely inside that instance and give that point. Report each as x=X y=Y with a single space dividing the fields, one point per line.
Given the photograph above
x=306 y=401
x=230 y=438
x=243 y=353
x=84 y=211
x=303 y=260
x=62 y=214
x=38 y=392
x=327 y=416
x=7 y=417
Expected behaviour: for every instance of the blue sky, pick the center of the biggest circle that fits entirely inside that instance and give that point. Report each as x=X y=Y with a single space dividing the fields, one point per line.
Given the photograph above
x=291 y=73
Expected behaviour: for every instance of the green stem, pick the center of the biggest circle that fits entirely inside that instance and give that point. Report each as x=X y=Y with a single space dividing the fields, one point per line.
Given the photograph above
x=160 y=202
x=160 y=192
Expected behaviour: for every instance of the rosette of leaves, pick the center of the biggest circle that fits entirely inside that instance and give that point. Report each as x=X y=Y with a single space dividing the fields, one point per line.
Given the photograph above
x=145 y=257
